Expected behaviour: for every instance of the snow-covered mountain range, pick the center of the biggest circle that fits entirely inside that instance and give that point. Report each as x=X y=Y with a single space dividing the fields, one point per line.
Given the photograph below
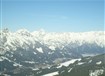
x=24 y=50
x=25 y=39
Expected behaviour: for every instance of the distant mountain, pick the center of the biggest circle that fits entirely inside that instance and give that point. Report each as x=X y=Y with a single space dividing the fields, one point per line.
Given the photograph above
x=23 y=50
x=23 y=39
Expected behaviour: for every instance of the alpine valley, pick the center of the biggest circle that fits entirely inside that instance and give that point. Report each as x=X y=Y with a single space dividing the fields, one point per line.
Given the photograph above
x=41 y=53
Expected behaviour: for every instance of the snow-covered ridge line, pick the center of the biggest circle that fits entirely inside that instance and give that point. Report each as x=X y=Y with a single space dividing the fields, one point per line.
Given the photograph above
x=25 y=39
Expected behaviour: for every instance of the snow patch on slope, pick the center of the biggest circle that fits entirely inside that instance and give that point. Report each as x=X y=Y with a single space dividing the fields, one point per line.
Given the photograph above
x=96 y=72
x=98 y=62
x=52 y=47
x=68 y=63
x=39 y=49
x=51 y=74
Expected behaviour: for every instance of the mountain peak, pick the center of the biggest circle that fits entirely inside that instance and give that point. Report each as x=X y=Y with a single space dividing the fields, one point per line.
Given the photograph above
x=5 y=30
x=23 y=32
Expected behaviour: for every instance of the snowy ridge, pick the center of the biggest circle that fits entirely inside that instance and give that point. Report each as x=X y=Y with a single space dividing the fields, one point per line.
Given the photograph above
x=51 y=74
x=25 y=39
x=67 y=63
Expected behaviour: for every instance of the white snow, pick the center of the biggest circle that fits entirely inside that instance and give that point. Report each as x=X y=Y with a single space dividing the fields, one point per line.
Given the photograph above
x=67 y=63
x=39 y=49
x=52 y=47
x=4 y=58
x=35 y=69
x=31 y=62
x=80 y=63
x=1 y=59
x=34 y=52
x=16 y=64
x=96 y=72
x=51 y=74
x=98 y=62
x=90 y=61
x=70 y=70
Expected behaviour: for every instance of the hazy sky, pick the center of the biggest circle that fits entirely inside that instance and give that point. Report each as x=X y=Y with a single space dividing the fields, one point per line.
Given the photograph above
x=53 y=15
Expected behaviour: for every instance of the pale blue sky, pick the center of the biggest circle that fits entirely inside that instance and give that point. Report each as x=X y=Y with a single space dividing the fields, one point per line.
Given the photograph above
x=53 y=15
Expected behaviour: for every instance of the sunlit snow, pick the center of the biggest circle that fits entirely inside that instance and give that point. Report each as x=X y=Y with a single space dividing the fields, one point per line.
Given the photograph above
x=68 y=62
x=51 y=74
x=98 y=62
x=40 y=50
